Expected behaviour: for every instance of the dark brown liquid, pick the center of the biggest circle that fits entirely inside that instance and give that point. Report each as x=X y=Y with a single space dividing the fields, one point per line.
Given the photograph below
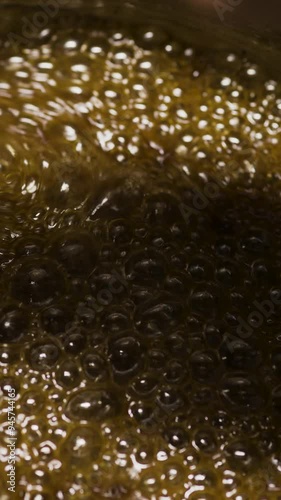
x=140 y=268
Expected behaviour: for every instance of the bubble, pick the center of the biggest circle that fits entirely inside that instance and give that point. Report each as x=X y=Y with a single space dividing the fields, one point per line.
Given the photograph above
x=9 y=385
x=203 y=301
x=92 y=405
x=55 y=319
x=150 y=481
x=145 y=265
x=176 y=437
x=204 y=366
x=202 y=396
x=191 y=457
x=75 y=341
x=107 y=285
x=262 y=273
x=140 y=295
x=214 y=333
x=37 y=281
x=205 y=441
x=255 y=242
x=225 y=247
x=145 y=386
x=242 y=393
x=200 y=269
x=115 y=321
x=95 y=367
x=98 y=45
x=242 y=356
x=32 y=402
x=156 y=360
x=13 y=325
x=170 y=399
x=175 y=343
x=150 y=37
x=68 y=374
x=242 y=455
x=266 y=442
x=144 y=413
x=205 y=478
x=31 y=245
x=174 y=474
x=43 y=355
x=9 y=355
x=227 y=274
x=158 y=315
x=107 y=254
x=145 y=454
x=175 y=372
x=75 y=251
x=120 y=232
x=221 y=420
x=83 y=445
x=86 y=315
x=176 y=284
x=162 y=208
x=125 y=356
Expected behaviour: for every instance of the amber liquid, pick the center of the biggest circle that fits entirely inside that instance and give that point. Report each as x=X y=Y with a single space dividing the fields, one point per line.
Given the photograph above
x=140 y=267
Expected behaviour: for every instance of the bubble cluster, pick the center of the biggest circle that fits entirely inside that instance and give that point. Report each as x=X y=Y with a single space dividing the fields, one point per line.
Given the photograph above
x=140 y=267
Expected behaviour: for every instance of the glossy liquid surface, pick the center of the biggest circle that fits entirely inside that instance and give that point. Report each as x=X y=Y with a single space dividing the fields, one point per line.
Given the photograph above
x=140 y=267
